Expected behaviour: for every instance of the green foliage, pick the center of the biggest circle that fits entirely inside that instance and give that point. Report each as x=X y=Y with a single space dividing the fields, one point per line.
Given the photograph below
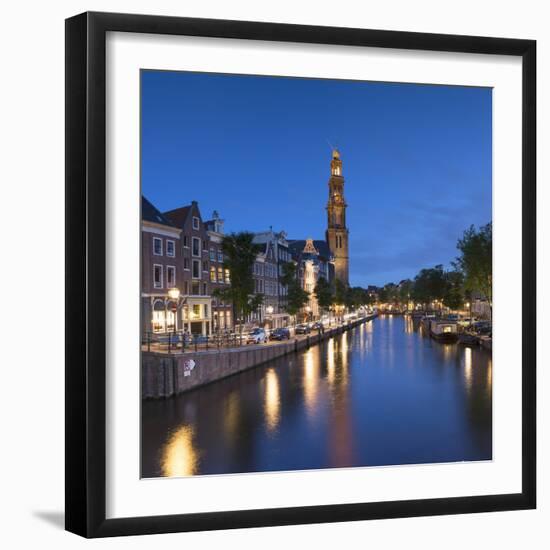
x=240 y=254
x=339 y=295
x=297 y=297
x=429 y=285
x=476 y=260
x=324 y=293
x=454 y=291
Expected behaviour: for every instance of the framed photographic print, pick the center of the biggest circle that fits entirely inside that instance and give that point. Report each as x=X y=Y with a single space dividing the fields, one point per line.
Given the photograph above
x=284 y=301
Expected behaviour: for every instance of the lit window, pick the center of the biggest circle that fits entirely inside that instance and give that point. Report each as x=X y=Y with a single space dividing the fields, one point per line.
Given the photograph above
x=157 y=276
x=227 y=277
x=196 y=310
x=170 y=248
x=213 y=274
x=220 y=275
x=157 y=246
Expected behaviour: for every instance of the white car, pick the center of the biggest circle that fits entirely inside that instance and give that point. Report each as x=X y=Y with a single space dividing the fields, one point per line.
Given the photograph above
x=256 y=336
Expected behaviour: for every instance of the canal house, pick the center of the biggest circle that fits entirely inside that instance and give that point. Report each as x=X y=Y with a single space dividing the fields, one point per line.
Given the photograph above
x=195 y=300
x=160 y=269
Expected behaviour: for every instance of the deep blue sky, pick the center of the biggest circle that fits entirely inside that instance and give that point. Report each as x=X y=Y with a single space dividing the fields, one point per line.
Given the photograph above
x=416 y=160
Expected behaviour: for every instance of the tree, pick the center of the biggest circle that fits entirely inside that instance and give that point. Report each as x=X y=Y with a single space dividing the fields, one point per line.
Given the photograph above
x=453 y=297
x=240 y=254
x=405 y=290
x=324 y=294
x=476 y=260
x=297 y=297
x=429 y=285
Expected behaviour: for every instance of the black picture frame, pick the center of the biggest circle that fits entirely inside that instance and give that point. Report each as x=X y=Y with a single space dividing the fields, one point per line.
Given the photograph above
x=86 y=274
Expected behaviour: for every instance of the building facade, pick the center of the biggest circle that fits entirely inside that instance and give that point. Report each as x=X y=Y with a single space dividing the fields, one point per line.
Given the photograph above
x=314 y=261
x=337 y=234
x=276 y=315
x=160 y=269
x=196 y=301
x=222 y=313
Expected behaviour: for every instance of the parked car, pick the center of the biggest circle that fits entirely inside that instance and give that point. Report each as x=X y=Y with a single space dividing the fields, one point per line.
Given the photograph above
x=317 y=326
x=280 y=334
x=256 y=336
x=303 y=328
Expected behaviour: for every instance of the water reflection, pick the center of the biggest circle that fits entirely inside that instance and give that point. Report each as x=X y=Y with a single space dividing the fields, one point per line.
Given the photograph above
x=272 y=406
x=180 y=457
x=336 y=404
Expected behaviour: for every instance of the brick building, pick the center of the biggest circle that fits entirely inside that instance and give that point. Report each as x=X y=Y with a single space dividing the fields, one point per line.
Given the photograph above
x=196 y=311
x=160 y=269
x=222 y=313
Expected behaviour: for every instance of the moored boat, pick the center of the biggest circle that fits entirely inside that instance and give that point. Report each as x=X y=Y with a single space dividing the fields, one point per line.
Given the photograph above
x=444 y=330
x=468 y=339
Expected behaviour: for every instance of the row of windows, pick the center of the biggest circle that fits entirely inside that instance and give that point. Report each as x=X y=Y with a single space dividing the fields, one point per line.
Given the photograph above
x=265 y=270
x=219 y=275
x=158 y=279
x=158 y=247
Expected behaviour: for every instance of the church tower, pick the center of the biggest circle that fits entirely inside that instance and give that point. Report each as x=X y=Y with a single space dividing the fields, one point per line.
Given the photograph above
x=337 y=233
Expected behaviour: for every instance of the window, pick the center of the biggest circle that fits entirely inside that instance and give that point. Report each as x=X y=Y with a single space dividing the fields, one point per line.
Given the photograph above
x=196 y=311
x=157 y=276
x=195 y=288
x=220 y=256
x=227 y=277
x=212 y=255
x=204 y=246
x=206 y=310
x=204 y=289
x=212 y=274
x=220 y=275
x=195 y=222
x=196 y=250
x=157 y=246
x=185 y=241
x=170 y=276
x=170 y=248
x=186 y=264
x=196 y=269
x=205 y=266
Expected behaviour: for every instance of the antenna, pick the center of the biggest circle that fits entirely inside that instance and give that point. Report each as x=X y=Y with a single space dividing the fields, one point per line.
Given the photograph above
x=330 y=145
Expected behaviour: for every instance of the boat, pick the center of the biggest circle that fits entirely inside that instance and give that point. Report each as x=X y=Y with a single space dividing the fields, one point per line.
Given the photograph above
x=444 y=330
x=468 y=339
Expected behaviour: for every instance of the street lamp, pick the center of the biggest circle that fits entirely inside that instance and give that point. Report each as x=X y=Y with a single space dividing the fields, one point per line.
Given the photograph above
x=269 y=310
x=174 y=294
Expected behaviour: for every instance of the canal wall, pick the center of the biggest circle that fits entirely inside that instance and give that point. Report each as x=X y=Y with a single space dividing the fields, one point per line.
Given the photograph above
x=164 y=375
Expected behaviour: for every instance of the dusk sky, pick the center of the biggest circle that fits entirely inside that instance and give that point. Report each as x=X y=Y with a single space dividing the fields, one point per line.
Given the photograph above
x=417 y=160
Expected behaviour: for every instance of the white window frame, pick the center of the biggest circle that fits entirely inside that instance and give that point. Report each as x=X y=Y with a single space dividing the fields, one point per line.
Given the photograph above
x=193 y=239
x=193 y=262
x=212 y=255
x=154 y=251
x=169 y=268
x=196 y=222
x=173 y=255
x=160 y=284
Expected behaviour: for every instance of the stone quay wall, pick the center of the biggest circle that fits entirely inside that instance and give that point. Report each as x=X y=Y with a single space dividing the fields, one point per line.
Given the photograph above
x=164 y=375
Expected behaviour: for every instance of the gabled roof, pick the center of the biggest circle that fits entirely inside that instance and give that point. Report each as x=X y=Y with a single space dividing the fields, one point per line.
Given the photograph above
x=151 y=214
x=297 y=246
x=178 y=216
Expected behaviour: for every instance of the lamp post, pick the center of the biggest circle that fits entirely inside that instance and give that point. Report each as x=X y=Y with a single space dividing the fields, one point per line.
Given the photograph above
x=269 y=311
x=174 y=294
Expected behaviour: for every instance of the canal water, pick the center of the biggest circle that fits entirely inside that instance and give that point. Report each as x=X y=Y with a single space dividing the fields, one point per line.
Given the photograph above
x=383 y=393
